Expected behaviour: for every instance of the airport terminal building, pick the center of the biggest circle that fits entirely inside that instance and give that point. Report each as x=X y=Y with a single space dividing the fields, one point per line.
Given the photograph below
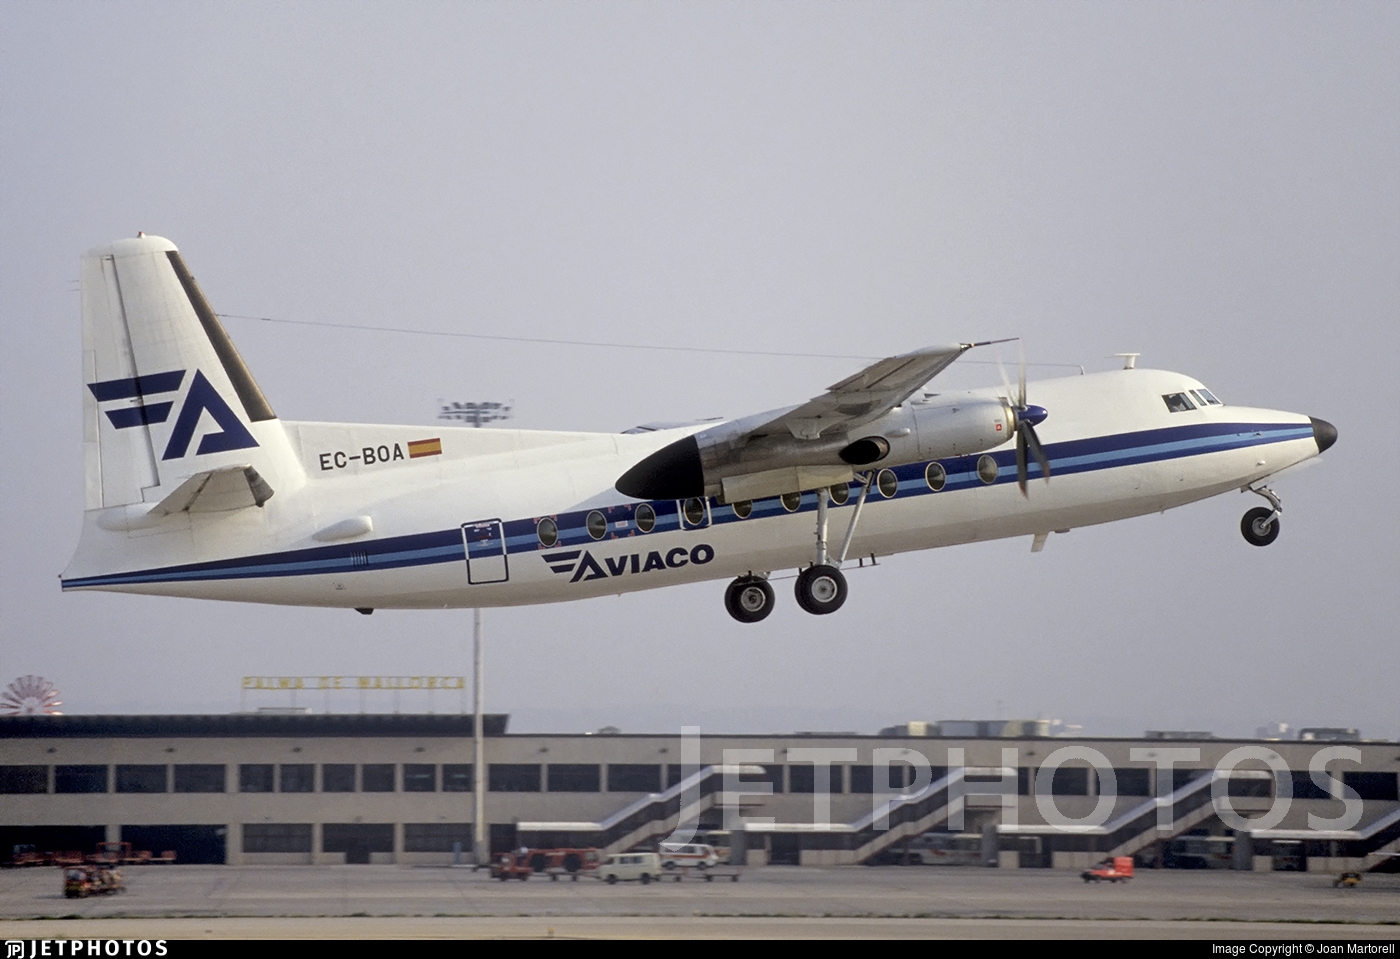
x=330 y=789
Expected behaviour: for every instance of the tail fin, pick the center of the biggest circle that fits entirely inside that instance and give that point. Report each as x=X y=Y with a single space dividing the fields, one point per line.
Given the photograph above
x=168 y=405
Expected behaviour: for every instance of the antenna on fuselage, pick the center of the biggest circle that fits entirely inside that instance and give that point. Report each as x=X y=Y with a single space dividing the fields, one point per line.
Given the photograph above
x=1129 y=360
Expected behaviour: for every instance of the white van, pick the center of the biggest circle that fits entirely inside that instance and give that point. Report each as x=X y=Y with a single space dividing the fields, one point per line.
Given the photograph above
x=694 y=854
x=624 y=866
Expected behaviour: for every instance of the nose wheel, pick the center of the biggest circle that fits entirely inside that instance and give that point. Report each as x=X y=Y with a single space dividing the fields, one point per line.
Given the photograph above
x=821 y=589
x=749 y=599
x=1260 y=525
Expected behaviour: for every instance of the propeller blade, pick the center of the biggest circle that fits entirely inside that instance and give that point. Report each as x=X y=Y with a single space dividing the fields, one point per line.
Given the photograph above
x=1021 y=471
x=1006 y=383
x=1021 y=396
x=1037 y=450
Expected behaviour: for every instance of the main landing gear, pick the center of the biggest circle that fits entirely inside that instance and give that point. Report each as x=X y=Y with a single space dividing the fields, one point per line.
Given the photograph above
x=820 y=588
x=749 y=599
x=1260 y=525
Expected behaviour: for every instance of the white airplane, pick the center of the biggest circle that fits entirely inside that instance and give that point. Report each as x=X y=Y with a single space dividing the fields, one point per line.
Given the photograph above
x=195 y=488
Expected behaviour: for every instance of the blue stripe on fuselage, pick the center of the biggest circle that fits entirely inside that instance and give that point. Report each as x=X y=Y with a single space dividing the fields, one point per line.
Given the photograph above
x=445 y=546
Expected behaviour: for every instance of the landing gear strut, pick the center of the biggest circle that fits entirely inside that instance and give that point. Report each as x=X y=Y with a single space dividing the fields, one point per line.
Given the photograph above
x=821 y=588
x=749 y=599
x=1260 y=526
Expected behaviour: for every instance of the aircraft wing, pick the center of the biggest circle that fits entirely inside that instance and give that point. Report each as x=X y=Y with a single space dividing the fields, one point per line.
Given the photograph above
x=869 y=394
x=800 y=447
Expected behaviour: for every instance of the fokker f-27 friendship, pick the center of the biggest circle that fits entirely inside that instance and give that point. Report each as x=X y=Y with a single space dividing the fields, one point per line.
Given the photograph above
x=195 y=488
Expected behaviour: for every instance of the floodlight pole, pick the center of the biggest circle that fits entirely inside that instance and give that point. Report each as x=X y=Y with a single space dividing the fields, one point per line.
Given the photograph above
x=476 y=414
x=480 y=847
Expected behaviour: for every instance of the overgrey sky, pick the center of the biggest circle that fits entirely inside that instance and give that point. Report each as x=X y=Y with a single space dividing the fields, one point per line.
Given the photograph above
x=1213 y=185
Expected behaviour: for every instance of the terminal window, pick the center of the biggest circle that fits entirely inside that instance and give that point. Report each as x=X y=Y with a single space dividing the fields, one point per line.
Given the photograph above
x=803 y=778
x=199 y=777
x=255 y=778
x=457 y=777
x=277 y=836
x=1245 y=787
x=338 y=778
x=513 y=777
x=1131 y=781
x=1068 y=781
x=24 y=779
x=1023 y=779
x=419 y=778
x=1368 y=785
x=348 y=837
x=80 y=779
x=143 y=779
x=1304 y=787
x=634 y=778
x=297 y=777
x=377 y=778
x=574 y=778
x=436 y=836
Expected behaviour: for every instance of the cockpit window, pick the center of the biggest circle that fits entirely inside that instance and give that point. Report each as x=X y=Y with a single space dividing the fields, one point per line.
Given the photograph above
x=1178 y=402
x=1206 y=397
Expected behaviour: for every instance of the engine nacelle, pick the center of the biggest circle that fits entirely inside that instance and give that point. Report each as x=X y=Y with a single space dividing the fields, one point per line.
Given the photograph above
x=959 y=424
x=755 y=456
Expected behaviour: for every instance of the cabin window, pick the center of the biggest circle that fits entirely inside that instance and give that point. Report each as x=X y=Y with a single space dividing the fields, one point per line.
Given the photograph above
x=987 y=469
x=1178 y=402
x=936 y=476
x=791 y=501
x=694 y=511
x=888 y=483
x=743 y=509
x=840 y=493
x=548 y=532
x=597 y=525
x=645 y=517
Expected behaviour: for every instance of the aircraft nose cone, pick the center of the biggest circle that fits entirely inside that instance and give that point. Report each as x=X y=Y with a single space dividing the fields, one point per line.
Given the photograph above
x=1033 y=415
x=1324 y=433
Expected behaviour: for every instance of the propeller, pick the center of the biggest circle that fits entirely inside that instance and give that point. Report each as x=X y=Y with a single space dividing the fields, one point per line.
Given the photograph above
x=1027 y=418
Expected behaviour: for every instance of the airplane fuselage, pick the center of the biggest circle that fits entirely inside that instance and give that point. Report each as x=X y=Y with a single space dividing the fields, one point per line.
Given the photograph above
x=409 y=517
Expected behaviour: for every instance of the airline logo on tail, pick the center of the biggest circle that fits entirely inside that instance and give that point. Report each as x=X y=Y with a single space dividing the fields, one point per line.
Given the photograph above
x=201 y=398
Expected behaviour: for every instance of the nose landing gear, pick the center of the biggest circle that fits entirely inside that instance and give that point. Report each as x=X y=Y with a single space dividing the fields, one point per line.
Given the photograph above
x=1260 y=526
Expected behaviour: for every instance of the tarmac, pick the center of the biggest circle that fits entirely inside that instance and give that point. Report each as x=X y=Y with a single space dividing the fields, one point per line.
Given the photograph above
x=361 y=902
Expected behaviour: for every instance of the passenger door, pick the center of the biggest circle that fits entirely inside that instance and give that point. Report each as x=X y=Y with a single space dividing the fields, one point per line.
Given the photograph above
x=486 y=552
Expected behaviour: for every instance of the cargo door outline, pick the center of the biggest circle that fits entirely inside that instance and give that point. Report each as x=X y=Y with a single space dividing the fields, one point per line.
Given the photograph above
x=485 y=546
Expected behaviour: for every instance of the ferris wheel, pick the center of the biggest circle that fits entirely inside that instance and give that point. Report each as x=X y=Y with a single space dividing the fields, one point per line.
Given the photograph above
x=30 y=696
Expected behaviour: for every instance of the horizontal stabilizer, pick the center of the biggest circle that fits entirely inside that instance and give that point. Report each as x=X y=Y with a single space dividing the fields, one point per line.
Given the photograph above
x=216 y=491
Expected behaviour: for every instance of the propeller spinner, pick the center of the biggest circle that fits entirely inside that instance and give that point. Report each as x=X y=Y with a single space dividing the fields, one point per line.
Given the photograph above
x=1028 y=417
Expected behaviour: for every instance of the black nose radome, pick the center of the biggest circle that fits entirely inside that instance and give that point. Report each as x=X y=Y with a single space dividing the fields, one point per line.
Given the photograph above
x=1324 y=433
x=672 y=472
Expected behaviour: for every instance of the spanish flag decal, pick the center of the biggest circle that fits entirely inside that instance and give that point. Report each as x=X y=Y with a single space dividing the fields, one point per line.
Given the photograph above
x=417 y=448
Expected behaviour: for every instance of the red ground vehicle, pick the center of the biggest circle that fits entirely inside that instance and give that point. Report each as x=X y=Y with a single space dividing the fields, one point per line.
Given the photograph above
x=523 y=863
x=1116 y=869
